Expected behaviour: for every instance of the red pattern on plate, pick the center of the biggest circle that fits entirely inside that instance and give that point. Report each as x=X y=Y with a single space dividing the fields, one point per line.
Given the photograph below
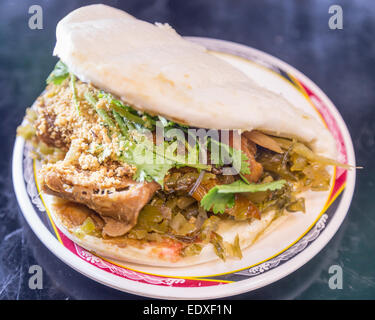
x=131 y=274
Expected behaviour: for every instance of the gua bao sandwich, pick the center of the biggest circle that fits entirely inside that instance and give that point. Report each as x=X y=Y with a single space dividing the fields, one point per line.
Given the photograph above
x=118 y=81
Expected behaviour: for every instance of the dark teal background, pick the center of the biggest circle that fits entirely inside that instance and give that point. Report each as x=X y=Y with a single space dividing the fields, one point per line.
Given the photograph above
x=341 y=62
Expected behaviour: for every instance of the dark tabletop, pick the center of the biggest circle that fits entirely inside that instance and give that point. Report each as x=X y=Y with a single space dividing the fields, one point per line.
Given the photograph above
x=341 y=62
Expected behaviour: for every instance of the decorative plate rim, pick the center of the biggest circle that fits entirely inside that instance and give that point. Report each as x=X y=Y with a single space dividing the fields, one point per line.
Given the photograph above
x=258 y=279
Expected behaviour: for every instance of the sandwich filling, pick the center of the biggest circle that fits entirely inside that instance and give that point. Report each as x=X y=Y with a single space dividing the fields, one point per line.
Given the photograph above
x=90 y=144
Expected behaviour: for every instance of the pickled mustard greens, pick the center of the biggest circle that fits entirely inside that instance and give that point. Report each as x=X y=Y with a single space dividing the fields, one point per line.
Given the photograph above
x=195 y=197
x=293 y=167
x=87 y=228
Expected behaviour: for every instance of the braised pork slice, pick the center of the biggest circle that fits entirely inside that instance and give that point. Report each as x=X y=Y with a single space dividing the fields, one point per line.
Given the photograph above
x=256 y=170
x=51 y=134
x=249 y=148
x=118 y=205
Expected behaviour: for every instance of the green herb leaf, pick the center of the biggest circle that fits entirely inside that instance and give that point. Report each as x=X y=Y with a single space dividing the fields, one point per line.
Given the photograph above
x=216 y=202
x=59 y=73
x=120 y=121
x=152 y=172
x=126 y=111
x=221 y=197
x=232 y=153
x=148 y=168
x=240 y=186
x=74 y=92
x=101 y=112
x=165 y=122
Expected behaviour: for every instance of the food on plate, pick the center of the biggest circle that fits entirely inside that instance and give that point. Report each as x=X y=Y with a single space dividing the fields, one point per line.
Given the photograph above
x=123 y=192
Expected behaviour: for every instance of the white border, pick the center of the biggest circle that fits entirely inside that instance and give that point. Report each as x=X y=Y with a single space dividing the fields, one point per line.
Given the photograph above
x=230 y=289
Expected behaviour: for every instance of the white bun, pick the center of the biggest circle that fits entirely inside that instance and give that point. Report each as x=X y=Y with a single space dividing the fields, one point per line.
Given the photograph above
x=156 y=70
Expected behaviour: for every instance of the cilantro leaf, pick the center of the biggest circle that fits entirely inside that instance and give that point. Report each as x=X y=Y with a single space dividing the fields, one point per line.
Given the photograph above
x=73 y=88
x=131 y=115
x=152 y=172
x=165 y=122
x=138 y=151
x=230 y=155
x=59 y=73
x=216 y=202
x=221 y=197
x=245 y=167
x=168 y=150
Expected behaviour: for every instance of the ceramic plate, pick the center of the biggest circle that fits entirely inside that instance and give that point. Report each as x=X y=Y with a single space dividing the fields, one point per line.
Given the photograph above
x=285 y=247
